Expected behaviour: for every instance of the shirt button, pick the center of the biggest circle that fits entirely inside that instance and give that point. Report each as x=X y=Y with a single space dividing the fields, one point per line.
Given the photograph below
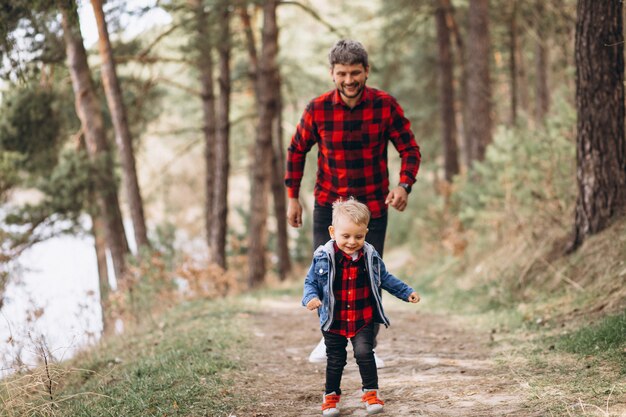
x=348 y=306
x=321 y=271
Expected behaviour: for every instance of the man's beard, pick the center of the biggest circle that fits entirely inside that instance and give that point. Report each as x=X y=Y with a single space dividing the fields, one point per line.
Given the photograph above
x=356 y=93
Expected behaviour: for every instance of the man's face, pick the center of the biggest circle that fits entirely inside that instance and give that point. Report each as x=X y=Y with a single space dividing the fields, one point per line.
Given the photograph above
x=349 y=236
x=349 y=79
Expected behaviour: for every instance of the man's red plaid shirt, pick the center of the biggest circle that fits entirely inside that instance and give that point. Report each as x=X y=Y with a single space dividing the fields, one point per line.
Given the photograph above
x=352 y=155
x=353 y=303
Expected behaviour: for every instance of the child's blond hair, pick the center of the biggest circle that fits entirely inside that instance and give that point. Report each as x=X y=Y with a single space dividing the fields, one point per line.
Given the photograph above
x=352 y=209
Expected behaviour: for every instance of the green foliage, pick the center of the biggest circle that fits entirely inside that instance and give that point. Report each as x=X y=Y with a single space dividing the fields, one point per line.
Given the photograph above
x=526 y=173
x=604 y=339
x=65 y=193
x=9 y=171
x=30 y=126
x=68 y=187
x=163 y=241
x=29 y=34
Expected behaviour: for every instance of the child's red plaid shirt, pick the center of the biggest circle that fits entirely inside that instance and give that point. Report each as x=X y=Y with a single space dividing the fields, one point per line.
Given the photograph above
x=352 y=143
x=351 y=288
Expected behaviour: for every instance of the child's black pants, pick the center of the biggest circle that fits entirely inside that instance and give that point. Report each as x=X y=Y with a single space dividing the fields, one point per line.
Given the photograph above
x=363 y=346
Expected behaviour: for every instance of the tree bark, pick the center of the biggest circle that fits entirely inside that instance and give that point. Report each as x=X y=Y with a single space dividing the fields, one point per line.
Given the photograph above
x=222 y=152
x=478 y=127
x=205 y=66
x=98 y=228
x=461 y=103
x=522 y=79
x=123 y=137
x=263 y=147
x=446 y=92
x=600 y=142
x=88 y=110
x=278 y=187
x=542 y=94
x=98 y=231
x=513 y=54
x=251 y=47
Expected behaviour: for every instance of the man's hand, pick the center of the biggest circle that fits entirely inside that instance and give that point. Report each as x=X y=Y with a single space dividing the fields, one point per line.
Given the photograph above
x=313 y=304
x=414 y=297
x=294 y=213
x=397 y=198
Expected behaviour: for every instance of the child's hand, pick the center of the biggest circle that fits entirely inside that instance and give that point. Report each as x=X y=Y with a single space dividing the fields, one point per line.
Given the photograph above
x=314 y=304
x=414 y=297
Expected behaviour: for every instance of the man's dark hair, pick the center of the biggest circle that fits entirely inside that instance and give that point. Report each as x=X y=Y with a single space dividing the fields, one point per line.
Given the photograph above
x=347 y=52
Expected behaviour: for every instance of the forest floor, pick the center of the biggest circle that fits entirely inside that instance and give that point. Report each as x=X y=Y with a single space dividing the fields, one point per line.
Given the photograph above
x=436 y=365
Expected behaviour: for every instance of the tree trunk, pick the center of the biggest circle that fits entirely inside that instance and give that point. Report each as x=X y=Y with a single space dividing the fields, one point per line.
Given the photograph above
x=262 y=150
x=513 y=47
x=522 y=79
x=88 y=110
x=446 y=93
x=278 y=187
x=601 y=146
x=222 y=153
x=251 y=47
x=542 y=94
x=123 y=136
x=461 y=106
x=98 y=231
x=205 y=68
x=98 y=228
x=478 y=127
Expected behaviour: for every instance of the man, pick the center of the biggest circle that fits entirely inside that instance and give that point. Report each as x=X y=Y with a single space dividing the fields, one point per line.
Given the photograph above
x=352 y=126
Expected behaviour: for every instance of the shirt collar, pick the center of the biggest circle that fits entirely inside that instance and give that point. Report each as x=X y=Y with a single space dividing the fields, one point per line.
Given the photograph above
x=344 y=257
x=365 y=97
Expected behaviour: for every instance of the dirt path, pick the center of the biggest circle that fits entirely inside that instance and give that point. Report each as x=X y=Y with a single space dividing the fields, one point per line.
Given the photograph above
x=434 y=367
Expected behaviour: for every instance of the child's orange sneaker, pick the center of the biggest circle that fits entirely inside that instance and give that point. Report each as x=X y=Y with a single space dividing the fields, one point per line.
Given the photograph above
x=329 y=407
x=373 y=404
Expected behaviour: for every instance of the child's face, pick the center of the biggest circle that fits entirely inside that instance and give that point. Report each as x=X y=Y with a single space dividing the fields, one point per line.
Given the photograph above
x=349 y=236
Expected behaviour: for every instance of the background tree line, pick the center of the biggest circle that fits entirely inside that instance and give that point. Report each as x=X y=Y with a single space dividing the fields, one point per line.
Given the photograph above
x=230 y=79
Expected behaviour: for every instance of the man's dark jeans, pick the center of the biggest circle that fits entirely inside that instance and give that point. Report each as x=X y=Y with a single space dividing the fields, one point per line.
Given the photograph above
x=363 y=347
x=323 y=217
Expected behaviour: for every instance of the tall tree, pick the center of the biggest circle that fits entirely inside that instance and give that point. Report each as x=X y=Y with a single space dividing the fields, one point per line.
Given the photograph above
x=278 y=185
x=205 y=66
x=98 y=231
x=600 y=142
x=99 y=235
x=251 y=48
x=513 y=64
x=478 y=126
x=542 y=93
x=88 y=110
x=522 y=79
x=461 y=103
x=277 y=149
x=222 y=153
x=123 y=137
x=446 y=91
x=263 y=147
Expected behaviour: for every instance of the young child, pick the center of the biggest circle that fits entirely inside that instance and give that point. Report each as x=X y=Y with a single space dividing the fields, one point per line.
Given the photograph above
x=344 y=284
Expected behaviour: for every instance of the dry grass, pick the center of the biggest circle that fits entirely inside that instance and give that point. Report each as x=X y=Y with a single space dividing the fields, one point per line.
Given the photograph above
x=34 y=392
x=208 y=281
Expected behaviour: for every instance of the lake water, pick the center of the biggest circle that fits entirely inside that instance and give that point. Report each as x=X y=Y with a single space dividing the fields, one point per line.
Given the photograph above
x=53 y=298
